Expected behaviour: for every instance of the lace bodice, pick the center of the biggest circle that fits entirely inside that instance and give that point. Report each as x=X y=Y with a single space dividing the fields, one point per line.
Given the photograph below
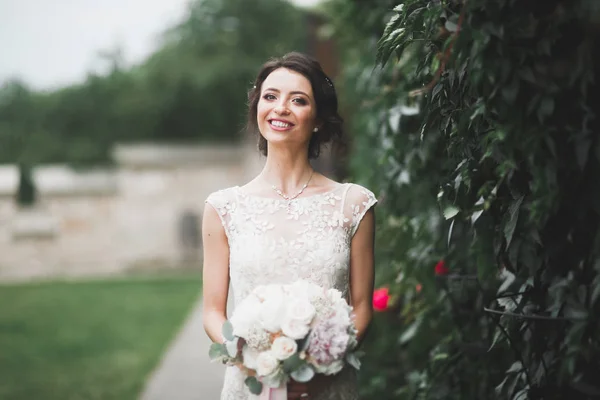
x=275 y=241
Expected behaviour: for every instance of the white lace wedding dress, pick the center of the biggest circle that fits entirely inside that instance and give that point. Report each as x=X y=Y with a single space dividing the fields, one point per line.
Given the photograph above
x=273 y=241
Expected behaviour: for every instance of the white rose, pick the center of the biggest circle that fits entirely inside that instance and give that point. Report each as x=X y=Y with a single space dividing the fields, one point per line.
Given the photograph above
x=284 y=347
x=266 y=363
x=250 y=357
x=272 y=291
x=272 y=313
x=260 y=292
x=301 y=310
x=245 y=316
x=295 y=329
x=297 y=289
x=304 y=289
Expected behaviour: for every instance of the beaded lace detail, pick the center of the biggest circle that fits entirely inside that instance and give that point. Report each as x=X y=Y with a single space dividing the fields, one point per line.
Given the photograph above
x=271 y=243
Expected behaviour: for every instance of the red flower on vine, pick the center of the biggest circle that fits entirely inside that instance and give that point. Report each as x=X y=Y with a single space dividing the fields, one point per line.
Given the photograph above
x=441 y=269
x=381 y=299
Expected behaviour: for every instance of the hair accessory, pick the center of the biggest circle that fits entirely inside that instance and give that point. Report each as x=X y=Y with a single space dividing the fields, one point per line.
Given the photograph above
x=329 y=81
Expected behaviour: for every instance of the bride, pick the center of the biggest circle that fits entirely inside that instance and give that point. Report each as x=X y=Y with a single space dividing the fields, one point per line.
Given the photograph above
x=290 y=222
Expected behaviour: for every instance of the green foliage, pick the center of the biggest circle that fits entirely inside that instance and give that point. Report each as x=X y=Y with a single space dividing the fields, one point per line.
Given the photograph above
x=192 y=88
x=478 y=129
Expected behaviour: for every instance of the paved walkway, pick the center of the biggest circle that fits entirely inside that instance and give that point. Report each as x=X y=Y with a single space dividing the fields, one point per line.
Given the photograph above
x=185 y=372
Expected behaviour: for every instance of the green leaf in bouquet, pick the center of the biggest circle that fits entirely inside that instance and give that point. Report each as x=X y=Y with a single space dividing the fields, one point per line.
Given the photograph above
x=227 y=331
x=232 y=347
x=353 y=360
x=217 y=351
x=254 y=385
x=303 y=374
x=276 y=379
x=292 y=363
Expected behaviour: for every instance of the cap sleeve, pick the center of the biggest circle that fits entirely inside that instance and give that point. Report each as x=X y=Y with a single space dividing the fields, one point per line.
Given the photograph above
x=357 y=201
x=224 y=205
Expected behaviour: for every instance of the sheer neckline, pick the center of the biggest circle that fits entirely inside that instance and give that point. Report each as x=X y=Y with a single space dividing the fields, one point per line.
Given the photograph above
x=338 y=186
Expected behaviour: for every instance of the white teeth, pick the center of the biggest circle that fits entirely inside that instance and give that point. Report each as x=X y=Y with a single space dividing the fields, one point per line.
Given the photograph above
x=280 y=124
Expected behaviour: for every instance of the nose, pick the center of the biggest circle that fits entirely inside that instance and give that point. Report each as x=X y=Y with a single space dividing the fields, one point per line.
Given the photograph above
x=281 y=109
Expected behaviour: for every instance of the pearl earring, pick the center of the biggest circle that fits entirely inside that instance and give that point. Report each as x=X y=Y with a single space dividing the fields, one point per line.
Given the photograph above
x=316 y=130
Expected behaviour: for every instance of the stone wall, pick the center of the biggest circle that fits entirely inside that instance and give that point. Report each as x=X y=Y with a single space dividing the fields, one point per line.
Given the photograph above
x=143 y=214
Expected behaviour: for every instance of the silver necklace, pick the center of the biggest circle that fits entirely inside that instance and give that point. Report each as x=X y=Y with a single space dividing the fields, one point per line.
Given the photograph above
x=289 y=199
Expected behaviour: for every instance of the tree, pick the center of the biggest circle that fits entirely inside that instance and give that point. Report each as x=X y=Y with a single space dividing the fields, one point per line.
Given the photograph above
x=484 y=142
x=193 y=88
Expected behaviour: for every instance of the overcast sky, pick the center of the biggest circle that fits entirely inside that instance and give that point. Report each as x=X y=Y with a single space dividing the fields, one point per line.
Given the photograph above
x=50 y=43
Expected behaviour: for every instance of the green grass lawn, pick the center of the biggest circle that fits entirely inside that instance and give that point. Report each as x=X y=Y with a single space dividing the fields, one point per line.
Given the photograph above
x=90 y=339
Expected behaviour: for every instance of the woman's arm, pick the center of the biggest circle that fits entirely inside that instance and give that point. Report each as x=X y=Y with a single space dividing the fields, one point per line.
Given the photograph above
x=362 y=272
x=215 y=275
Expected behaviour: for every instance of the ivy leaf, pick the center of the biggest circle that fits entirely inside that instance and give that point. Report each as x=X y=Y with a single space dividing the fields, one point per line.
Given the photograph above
x=498 y=336
x=515 y=367
x=527 y=75
x=450 y=231
x=500 y=386
x=475 y=216
x=410 y=332
x=513 y=212
x=521 y=394
x=254 y=385
x=595 y=293
x=546 y=108
x=509 y=278
x=451 y=26
x=576 y=312
x=582 y=150
x=510 y=92
x=450 y=212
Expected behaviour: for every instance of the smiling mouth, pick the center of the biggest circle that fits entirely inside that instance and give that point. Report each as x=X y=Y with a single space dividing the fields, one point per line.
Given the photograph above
x=280 y=124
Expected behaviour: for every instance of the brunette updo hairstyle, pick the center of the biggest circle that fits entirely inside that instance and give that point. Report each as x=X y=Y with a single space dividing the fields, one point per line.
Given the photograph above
x=330 y=122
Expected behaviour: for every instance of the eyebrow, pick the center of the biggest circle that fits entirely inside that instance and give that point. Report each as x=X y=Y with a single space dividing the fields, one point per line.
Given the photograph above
x=294 y=92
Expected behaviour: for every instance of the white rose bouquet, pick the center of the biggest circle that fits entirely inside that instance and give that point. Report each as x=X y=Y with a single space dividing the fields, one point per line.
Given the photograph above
x=289 y=331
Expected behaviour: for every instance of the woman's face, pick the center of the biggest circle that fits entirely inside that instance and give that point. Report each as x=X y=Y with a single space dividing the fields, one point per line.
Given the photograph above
x=286 y=112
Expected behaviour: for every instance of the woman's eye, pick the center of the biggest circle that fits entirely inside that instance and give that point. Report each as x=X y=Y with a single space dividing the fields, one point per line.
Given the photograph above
x=268 y=96
x=300 y=101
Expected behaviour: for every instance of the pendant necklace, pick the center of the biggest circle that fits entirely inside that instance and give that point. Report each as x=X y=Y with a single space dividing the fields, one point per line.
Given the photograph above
x=289 y=199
